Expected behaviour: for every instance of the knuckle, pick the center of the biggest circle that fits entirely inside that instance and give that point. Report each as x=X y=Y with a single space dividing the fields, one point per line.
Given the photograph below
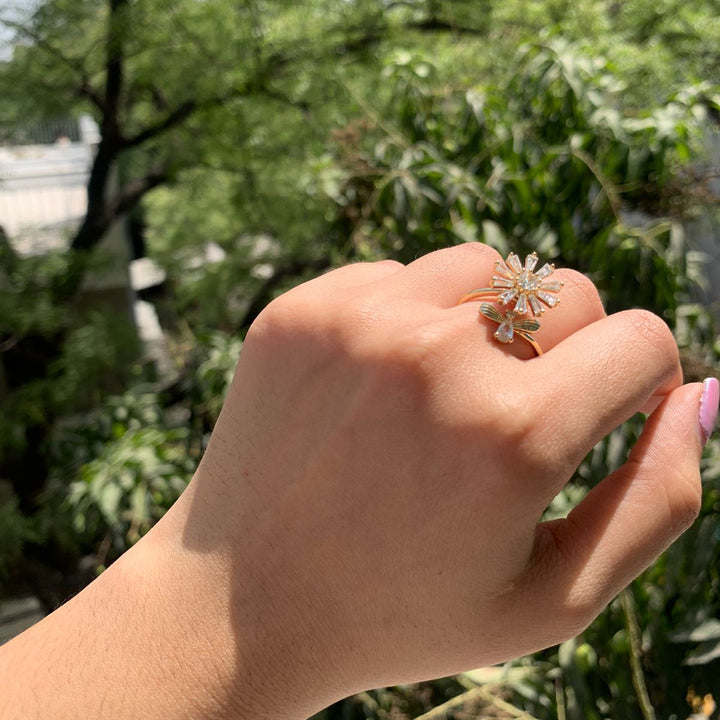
x=449 y=259
x=509 y=417
x=585 y=288
x=578 y=615
x=417 y=353
x=520 y=422
x=292 y=321
x=414 y=362
x=277 y=319
x=675 y=494
x=684 y=500
x=388 y=264
x=516 y=418
x=367 y=313
x=653 y=330
x=473 y=253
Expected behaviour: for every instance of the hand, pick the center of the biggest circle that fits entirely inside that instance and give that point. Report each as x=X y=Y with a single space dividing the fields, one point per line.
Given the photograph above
x=378 y=472
x=367 y=512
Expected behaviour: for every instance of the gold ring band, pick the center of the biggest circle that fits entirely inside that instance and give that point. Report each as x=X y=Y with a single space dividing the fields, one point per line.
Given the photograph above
x=479 y=294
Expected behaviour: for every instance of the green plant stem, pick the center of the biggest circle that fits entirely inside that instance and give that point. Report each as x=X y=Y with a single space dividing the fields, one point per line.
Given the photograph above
x=605 y=183
x=633 y=628
x=560 y=699
x=481 y=693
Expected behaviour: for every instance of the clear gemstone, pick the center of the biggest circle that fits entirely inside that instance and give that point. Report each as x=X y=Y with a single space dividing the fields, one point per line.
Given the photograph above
x=527 y=281
x=502 y=269
x=513 y=262
x=535 y=305
x=505 y=331
x=548 y=299
x=521 y=305
x=502 y=282
x=545 y=270
x=505 y=297
x=530 y=262
x=555 y=286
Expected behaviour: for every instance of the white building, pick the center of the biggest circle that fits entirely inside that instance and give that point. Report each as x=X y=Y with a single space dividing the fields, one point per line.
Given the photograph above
x=43 y=199
x=43 y=190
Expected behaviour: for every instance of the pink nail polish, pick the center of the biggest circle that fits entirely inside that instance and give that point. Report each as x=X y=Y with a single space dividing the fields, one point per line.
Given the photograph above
x=709 y=407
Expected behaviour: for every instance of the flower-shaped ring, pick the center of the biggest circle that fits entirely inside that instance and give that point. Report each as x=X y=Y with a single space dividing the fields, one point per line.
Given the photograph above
x=528 y=291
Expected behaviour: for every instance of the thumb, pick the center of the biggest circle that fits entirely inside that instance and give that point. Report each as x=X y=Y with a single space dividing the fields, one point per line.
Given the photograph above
x=626 y=521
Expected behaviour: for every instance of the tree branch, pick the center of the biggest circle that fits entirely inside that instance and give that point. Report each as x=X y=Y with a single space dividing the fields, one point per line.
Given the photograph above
x=301 y=105
x=102 y=212
x=114 y=70
x=437 y=25
x=133 y=191
x=85 y=88
x=8 y=256
x=172 y=119
x=272 y=67
x=190 y=107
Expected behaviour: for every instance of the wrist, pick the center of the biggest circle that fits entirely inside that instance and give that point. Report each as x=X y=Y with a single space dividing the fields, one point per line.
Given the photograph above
x=160 y=634
x=228 y=618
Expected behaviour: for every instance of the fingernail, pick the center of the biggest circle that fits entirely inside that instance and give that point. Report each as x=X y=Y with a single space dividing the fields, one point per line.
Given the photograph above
x=709 y=407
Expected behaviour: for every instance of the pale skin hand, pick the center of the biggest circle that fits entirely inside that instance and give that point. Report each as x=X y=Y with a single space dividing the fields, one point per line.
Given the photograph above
x=367 y=512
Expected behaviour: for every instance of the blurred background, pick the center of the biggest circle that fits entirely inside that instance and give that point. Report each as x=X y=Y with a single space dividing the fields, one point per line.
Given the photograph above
x=167 y=168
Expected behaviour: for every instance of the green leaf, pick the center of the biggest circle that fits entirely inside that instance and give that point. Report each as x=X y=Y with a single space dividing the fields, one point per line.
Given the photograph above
x=704 y=654
x=109 y=502
x=707 y=630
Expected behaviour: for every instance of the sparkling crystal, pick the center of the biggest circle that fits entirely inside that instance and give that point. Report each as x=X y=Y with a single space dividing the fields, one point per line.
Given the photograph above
x=536 y=306
x=545 y=270
x=548 y=299
x=555 y=286
x=502 y=269
x=505 y=331
x=527 y=281
x=513 y=262
x=521 y=305
x=502 y=282
x=505 y=297
x=530 y=262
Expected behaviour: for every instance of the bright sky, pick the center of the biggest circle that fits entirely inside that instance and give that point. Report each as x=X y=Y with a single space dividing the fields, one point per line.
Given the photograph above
x=12 y=10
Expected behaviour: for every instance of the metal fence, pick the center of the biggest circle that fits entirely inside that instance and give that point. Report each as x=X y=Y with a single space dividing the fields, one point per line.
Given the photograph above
x=45 y=132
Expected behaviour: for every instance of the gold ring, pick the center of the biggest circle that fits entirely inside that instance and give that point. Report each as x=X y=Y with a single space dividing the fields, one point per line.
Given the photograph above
x=530 y=291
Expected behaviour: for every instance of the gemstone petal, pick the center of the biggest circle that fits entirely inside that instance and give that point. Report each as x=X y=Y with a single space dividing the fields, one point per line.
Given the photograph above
x=545 y=270
x=502 y=269
x=554 y=286
x=548 y=299
x=530 y=262
x=513 y=262
x=501 y=282
x=521 y=306
x=508 y=296
x=536 y=306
